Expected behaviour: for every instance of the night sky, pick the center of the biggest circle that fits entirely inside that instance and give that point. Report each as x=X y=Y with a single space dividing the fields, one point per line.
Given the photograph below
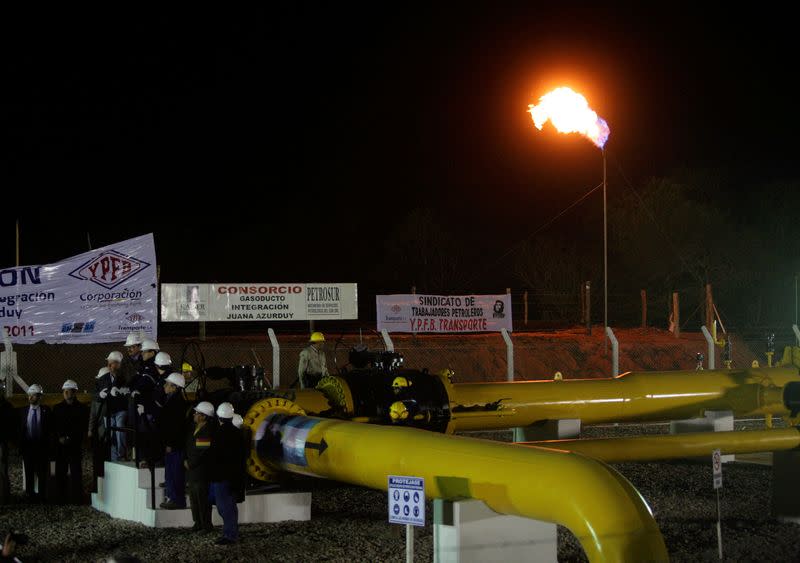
x=314 y=130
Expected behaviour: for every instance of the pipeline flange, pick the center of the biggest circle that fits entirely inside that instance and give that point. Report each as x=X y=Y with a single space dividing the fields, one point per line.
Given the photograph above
x=253 y=420
x=337 y=392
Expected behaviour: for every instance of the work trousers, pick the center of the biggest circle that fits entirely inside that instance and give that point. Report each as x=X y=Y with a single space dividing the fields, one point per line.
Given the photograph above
x=70 y=489
x=175 y=477
x=36 y=465
x=226 y=506
x=201 y=507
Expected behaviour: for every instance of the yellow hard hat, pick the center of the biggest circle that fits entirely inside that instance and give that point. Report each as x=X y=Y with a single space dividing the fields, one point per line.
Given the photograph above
x=400 y=381
x=186 y=366
x=317 y=337
x=398 y=411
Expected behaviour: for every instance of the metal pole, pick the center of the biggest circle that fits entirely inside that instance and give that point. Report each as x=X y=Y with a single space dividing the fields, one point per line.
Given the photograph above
x=387 y=340
x=276 y=359
x=711 y=351
x=17 y=244
x=509 y=355
x=409 y=543
x=614 y=352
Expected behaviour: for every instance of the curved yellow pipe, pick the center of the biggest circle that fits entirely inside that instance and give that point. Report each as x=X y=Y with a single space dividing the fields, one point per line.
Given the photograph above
x=604 y=511
x=695 y=444
x=642 y=396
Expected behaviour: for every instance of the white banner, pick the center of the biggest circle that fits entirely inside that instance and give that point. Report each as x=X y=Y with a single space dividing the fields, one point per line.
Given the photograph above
x=444 y=313
x=258 y=301
x=98 y=296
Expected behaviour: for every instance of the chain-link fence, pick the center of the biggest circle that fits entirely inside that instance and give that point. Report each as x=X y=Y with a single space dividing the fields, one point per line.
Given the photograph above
x=473 y=357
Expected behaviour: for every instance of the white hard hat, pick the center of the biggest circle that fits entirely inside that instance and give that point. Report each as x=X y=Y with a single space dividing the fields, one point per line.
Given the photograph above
x=163 y=359
x=225 y=410
x=177 y=379
x=133 y=339
x=237 y=420
x=102 y=372
x=35 y=389
x=114 y=356
x=205 y=408
x=149 y=345
x=69 y=384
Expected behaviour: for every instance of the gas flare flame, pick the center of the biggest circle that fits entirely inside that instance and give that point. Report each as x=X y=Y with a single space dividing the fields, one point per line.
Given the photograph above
x=569 y=112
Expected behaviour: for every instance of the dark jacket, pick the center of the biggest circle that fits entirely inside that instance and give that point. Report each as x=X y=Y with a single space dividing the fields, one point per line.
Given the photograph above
x=130 y=367
x=197 y=450
x=227 y=454
x=70 y=423
x=171 y=421
x=8 y=427
x=108 y=382
x=45 y=440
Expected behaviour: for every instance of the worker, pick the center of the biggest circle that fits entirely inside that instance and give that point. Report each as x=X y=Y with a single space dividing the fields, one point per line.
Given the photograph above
x=171 y=423
x=192 y=381
x=132 y=363
x=148 y=385
x=227 y=462
x=98 y=436
x=70 y=417
x=197 y=465
x=312 y=366
x=113 y=392
x=34 y=443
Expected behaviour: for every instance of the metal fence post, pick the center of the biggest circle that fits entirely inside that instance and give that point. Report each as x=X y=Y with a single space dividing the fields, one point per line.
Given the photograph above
x=796 y=333
x=614 y=352
x=509 y=354
x=387 y=340
x=276 y=359
x=710 y=340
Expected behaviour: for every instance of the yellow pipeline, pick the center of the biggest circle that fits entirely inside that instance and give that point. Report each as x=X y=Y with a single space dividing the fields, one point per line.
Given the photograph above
x=650 y=448
x=607 y=515
x=642 y=396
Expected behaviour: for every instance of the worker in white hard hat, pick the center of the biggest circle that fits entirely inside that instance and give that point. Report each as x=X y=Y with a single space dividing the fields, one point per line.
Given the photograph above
x=227 y=473
x=197 y=465
x=171 y=424
x=312 y=365
x=146 y=396
x=98 y=437
x=133 y=357
x=112 y=391
x=70 y=417
x=34 y=444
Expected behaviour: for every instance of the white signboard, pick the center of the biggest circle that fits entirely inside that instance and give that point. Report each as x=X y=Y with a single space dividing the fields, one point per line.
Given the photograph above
x=99 y=296
x=444 y=313
x=716 y=464
x=406 y=500
x=258 y=301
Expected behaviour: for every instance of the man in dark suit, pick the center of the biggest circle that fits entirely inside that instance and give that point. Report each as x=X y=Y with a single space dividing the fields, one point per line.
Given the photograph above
x=35 y=433
x=71 y=417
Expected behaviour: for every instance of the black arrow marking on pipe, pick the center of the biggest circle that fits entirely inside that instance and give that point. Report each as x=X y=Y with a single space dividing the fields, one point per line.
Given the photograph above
x=321 y=447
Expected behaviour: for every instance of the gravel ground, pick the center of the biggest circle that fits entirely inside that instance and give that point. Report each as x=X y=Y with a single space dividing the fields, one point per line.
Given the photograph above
x=349 y=523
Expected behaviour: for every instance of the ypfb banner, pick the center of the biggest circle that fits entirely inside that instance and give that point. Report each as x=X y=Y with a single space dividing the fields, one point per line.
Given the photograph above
x=99 y=296
x=444 y=313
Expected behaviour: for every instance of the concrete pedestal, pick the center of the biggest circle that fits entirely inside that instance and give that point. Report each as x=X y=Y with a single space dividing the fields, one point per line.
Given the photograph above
x=124 y=492
x=714 y=421
x=785 y=492
x=549 y=430
x=468 y=530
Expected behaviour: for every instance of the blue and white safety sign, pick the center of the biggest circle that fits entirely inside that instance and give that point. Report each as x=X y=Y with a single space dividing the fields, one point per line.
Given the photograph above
x=406 y=500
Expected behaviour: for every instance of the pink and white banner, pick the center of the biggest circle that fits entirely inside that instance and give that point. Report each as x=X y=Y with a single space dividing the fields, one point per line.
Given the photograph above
x=444 y=313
